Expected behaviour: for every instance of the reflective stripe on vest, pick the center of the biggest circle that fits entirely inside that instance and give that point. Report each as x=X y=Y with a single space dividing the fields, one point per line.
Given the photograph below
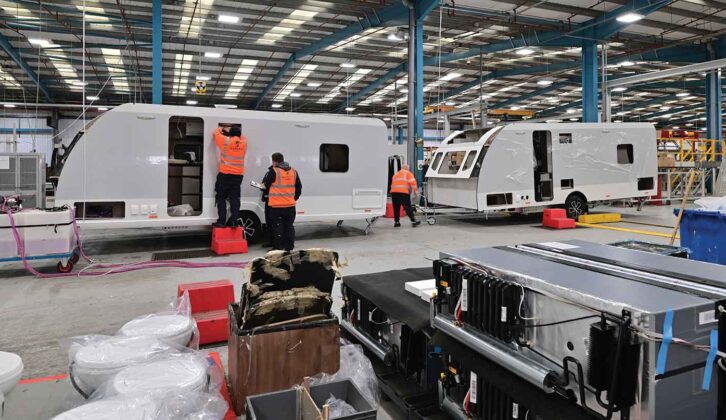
x=282 y=191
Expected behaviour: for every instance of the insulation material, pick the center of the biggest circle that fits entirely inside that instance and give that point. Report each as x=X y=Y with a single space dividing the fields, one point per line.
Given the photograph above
x=175 y=325
x=276 y=307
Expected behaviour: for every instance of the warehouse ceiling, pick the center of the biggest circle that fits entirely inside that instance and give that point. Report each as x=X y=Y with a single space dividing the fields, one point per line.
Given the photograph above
x=241 y=46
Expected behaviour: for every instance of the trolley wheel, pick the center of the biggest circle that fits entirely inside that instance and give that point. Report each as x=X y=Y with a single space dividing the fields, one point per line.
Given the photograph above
x=74 y=258
x=65 y=268
x=431 y=221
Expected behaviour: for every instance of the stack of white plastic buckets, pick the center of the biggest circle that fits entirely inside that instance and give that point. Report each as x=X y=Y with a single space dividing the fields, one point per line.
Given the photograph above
x=151 y=369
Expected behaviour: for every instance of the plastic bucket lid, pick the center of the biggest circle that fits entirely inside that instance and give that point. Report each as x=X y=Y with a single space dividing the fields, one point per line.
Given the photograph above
x=159 y=325
x=116 y=352
x=188 y=372
x=112 y=409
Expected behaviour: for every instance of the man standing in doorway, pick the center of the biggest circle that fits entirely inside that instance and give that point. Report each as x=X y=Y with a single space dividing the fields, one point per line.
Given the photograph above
x=232 y=147
x=403 y=184
x=284 y=188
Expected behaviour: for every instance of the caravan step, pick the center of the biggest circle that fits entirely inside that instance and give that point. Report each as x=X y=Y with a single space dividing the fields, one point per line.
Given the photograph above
x=213 y=326
x=208 y=295
x=228 y=241
x=599 y=218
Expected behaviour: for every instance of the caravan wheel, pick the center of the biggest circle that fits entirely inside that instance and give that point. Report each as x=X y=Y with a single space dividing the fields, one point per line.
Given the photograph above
x=252 y=226
x=576 y=206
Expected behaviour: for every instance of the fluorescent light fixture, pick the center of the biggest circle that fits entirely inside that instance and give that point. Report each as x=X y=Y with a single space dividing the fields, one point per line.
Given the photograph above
x=393 y=36
x=676 y=127
x=629 y=17
x=620 y=89
x=571 y=111
x=9 y=105
x=627 y=63
x=347 y=65
x=573 y=119
x=225 y=106
x=78 y=83
x=42 y=43
x=212 y=54
x=102 y=108
x=203 y=78
x=295 y=95
x=349 y=109
x=451 y=76
x=544 y=82
x=682 y=94
x=92 y=98
x=515 y=108
x=617 y=121
x=524 y=51
x=191 y=102
x=665 y=108
x=689 y=125
x=314 y=84
x=450 y=103
x=228 y=19
x=276 y=106
x=703 y=118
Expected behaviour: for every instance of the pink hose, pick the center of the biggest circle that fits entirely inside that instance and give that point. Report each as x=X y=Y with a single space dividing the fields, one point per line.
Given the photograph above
x=112 y=268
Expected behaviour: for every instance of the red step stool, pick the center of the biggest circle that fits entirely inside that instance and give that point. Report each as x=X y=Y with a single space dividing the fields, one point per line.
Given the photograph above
x=228 y=241
x=209 y=301
x=557 y=219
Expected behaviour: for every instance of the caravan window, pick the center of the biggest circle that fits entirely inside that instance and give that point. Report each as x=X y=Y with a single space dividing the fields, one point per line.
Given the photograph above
x=625 y=154
x=436 y=161
x=452 y=163
x=469 y=160
x=334 y=157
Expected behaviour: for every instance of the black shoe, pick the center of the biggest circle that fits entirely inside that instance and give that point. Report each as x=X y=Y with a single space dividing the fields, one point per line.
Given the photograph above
x=232 y=223
x=218 y=225
x=415 y=223
x=397 y=224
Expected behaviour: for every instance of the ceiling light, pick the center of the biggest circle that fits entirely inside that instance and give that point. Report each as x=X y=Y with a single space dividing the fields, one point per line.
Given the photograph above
x=689 y=125
x=393 y=36
x=629 y=17
x=514 y=108
x=42 y=43
x=225 y=106
x=228 y=18
x=92 y=98
x=450 y=103
x=191 y=102
x=203 y=78
x=78 y=83
x=620 y=89
x=451 y=76
x=295 y=95
x=9 y=105
x=524 y=51
x=102 y=108
x=682 y=94
x=676 y=127
x=349 y=109
x=314 y=84
x=627 y=63
x=212 y=54
x=571 y=111
x=347 y=65
x=544 y=82
x=573 y=119
x=275 y=106
x=665 y=108
x=617 y=121
x=703 y=118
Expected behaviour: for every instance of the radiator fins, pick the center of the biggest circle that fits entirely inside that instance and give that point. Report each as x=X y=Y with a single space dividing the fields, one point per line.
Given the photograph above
x=627 y=385
x=599 y=359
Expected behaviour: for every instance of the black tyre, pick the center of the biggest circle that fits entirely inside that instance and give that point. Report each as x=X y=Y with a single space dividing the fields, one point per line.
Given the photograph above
x=64 y=268
x=251 y=225
x=576 y=206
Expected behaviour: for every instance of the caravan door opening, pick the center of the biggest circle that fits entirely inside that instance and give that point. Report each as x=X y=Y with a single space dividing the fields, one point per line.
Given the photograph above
x=542 y=145
x=186 y=158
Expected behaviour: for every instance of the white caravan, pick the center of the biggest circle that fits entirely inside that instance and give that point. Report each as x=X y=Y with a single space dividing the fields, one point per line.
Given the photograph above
x=528 y=165
x=140 y=166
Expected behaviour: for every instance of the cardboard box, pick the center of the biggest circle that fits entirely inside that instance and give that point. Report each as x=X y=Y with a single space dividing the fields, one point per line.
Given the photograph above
x=666 y=161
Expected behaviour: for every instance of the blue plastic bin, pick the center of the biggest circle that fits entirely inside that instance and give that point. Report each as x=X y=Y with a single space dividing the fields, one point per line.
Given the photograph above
x=703 y=232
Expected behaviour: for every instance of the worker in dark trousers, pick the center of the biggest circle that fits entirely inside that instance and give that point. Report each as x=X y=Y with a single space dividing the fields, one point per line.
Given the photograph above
x=232 y=147
x=403 y=184
x=284 y=188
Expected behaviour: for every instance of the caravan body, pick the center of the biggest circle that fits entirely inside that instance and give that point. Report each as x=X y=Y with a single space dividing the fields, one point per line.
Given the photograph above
x=530 y=165
x=135 y=161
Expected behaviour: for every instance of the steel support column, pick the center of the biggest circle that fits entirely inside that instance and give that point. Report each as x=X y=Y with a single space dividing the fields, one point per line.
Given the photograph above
x=411 y=125
x=714 y=114
x=156 y=58
x=419 y=99
x=589 y=82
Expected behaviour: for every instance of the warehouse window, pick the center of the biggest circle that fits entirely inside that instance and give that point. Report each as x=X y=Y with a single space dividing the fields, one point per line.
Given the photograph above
x=334 y=157
x=625 y=154
x=565 y=138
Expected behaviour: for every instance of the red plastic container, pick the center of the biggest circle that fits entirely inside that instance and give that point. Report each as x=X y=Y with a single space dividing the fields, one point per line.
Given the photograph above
x=209 y=302
x=228 y=241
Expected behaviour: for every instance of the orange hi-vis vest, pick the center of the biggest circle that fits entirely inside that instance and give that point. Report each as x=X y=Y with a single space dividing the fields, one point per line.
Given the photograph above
x=232 y=153
x=282 y=191
x=403 y=182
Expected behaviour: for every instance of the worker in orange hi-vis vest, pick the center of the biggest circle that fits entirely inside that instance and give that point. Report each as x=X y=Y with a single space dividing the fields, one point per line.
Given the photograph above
x=282 y=190
x=403 y=184
x=232 y=147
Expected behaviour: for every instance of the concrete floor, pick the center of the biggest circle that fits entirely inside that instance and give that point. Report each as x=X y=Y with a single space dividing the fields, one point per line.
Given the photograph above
x=37 y=315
